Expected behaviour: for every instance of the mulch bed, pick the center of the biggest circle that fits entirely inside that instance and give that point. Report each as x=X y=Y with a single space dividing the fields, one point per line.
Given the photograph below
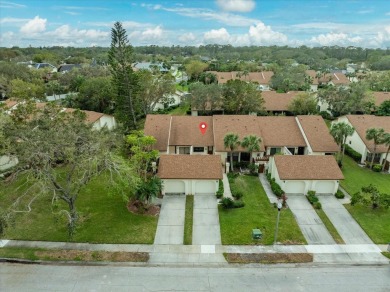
x=268 y=258
x=137 y=207
x=84 y=255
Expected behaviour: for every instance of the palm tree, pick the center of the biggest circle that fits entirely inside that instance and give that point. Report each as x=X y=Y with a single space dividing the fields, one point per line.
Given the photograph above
x=340 y=132
x=231 y=142
x=386 y=141
x=252 y=143
x=375 y=134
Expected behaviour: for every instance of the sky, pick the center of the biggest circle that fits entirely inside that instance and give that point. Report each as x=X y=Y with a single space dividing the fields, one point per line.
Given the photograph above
x=85 y=23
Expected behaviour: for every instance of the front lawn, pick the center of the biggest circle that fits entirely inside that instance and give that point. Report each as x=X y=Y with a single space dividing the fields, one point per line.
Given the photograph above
x=357 y=177
x=237 y=224
x=103 y=218
x=374 y=222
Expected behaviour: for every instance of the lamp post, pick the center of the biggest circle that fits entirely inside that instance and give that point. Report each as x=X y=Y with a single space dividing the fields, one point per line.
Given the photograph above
x=277 y=221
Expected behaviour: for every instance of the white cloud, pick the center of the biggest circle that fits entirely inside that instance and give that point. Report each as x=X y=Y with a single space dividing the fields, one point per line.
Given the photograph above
x=262 y=34
x=65 y=32
x=187 y=38
x=220 y=36
x=13 y=20
x=237 y=5
x=152 y=33
x=34 y=25
x=339 y=39
x=5 y=4
x=383 y=37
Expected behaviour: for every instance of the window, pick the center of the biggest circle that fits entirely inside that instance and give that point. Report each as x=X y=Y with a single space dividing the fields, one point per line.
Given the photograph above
x=275 y=150
x=184 y=150
x=198 y=149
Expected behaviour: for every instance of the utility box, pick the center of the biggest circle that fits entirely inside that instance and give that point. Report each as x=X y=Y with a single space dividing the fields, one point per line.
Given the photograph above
x=256 y=234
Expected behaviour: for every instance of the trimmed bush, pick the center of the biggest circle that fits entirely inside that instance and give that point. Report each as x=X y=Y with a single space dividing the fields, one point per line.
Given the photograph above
x=317 y=205
x=339 y=195
x=326 y=115
x=377 y=168
x=276 y=189
x=237 y=194
x=312 y=198
x=253 y=169
x=220 y=191
x=239 y=204
x=227 y=203
x=353 y=154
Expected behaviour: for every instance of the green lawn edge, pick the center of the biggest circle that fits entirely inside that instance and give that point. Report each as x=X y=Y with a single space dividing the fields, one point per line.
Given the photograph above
x=189 y=219
x=329 y=225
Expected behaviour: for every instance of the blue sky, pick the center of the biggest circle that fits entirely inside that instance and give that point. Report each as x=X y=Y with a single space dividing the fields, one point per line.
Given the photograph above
x=85 y=23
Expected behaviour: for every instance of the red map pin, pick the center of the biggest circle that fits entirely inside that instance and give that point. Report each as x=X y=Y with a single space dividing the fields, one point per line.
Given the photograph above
x=203 y=127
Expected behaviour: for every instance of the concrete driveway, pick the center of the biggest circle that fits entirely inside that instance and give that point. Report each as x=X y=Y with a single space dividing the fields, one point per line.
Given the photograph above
x=342 y=220
x=206 y=229
x=311 y=225
x=170 y=227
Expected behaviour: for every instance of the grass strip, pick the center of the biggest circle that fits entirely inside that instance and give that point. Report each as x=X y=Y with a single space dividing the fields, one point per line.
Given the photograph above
x=268 y=258
x=189 y=218
x=329 y=225
x=35 y=254
x=386 y=254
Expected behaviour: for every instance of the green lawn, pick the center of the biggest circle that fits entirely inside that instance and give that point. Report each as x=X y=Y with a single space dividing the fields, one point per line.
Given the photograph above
x=104 y=218
x=180 y=110
x=237 y=224
x=357 y=177
x=328 y=224
x=189 y=219
x=374 y=222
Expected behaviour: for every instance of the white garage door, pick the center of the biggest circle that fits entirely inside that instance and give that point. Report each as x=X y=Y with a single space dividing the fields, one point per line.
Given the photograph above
x=205 y=187
x=174 y=186
x=294 y=187
x=325 y=187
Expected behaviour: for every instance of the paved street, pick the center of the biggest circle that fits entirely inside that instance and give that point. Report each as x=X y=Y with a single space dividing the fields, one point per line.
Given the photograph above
x=206 y=229
x=15 y=277
x=170 y=228
x=311 y=225
x=346 y=226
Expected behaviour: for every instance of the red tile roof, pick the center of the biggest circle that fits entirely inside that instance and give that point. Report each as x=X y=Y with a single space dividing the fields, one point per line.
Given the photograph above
x=263 y=77
x=158 y=126
x=185 y=131
x=274 y=101
x=380 y=97
x=190 y=167
x=307 y=167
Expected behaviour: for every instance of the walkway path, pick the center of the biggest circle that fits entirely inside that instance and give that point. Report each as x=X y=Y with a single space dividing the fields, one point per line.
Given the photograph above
x=267 y=188
x=347 y=227
x=170 y=227
x=226 y=187
x=311 y=225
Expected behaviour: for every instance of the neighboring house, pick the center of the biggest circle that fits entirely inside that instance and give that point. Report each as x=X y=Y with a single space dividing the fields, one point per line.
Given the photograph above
x=9 y=105
x=288 y=135
x=278 y=103
x=299 y=174
x=43 y=66
x=262 y=78
x=358 y=140
x=176 y=98
x=313 y=77
x=67 y=67
x=149 y=66
x=190 y=174
x=380 y=97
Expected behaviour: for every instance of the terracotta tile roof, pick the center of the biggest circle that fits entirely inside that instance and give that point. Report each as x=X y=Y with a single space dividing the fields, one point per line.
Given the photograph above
x=185 y=131
x=312 y=74
x=274 y=131
x=91 y=116
x=307 y=167
x=274 y=101
x=190 y=167
x=260 y=77
x=317 y=134
x=335 y=78
x=362 y=123
x=158 y=127
x=380 y=97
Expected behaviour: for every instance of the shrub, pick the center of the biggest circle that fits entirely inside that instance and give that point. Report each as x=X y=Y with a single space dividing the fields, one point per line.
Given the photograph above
x=339 y=195
x=253 y=169
x=219 y=194
x=220 y=191
x=276 y=189
x=377 y=168
x=227 y=203
x=237 y=194
x=239 y=204
x=317 y=205
x=312 y=198
x=268 y=176
x=326 y=115
x=353 y=154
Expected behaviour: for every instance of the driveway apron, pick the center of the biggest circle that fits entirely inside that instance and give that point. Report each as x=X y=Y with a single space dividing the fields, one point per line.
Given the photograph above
x=311 y=225
x=206 y=229
x=170 y=227
x=347 y=227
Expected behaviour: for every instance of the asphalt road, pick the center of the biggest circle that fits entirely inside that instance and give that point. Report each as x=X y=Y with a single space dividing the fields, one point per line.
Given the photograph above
x=16 y=277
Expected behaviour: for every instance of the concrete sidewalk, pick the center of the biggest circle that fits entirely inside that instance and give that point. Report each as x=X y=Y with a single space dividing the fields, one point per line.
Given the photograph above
x=226 y=187
x=206 y=255
x=267 y=188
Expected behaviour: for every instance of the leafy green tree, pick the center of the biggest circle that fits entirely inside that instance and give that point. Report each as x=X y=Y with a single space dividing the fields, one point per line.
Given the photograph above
x=370 y=195
x=386 y=141
x=149 y=189
x=60 y=154
x=290 y=78
x=340 y=132
x=240 y=97
x=375 y=134
x=53 y=88
x=124 y=80
x=231 y=142
x=206 y=98
x=384 y=108
x=303 y=104
x=154 y=88
x=23 y=90
x=194 y=68
x=252 y=143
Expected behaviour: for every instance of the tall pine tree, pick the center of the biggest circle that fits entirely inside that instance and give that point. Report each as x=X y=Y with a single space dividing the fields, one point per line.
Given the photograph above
x=124 y=80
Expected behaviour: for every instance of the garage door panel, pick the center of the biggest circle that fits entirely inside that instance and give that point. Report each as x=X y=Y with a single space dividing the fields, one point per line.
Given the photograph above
x=174 y=187
x=325 y=187
x=205 y=187
x=294 y=187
